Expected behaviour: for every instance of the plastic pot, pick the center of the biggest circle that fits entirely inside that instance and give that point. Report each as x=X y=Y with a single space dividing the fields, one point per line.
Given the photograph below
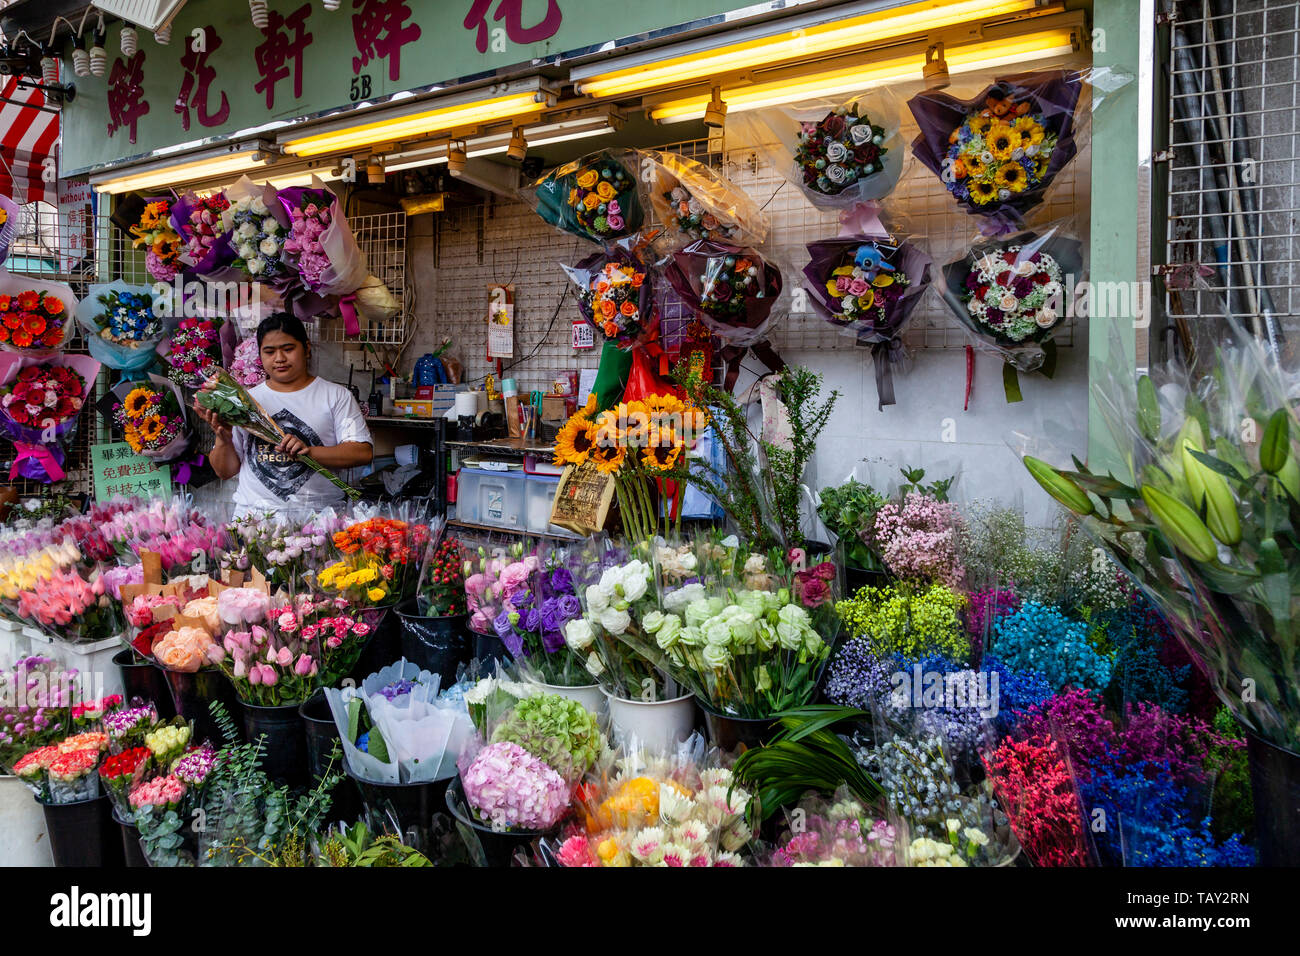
x=1275 y=788
x=406 y=807
x=495 y=848
x=83 y=834
x=656 y=725
x=131 y=849
x=489 y=649
x=284 y=743
x=321 y=733
x=141 y=678
x=192 y=695
x=438 y=645
x=738 y=733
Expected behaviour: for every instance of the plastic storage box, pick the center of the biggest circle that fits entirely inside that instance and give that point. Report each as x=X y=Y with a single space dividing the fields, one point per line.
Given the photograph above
x=539 y=495
x=492 y=498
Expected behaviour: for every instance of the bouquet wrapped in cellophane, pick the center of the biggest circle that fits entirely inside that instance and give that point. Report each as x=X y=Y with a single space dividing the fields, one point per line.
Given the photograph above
x=232 y=402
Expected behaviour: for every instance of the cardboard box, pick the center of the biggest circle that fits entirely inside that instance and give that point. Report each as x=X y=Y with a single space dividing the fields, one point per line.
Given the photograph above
x=413 y=407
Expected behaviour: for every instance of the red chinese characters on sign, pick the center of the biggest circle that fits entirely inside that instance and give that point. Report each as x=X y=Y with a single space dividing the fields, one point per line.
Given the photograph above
x=286 y=39
x=198 y=78
x=380 y=30
x=512 y=11
x=126 y=102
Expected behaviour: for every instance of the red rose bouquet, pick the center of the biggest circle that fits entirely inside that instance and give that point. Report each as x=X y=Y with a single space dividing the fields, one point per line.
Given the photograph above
x=41 y=396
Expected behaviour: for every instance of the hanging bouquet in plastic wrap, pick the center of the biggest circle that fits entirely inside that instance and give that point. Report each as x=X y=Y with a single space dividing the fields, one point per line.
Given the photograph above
x=150 y=415
x=163 y=243
x=732 y=290
x=198 y=221
x=258 y=227
x=1013 y=294
x=40 y=404
x=121 y=326
x=696 y=202
x=597 y=197
x=998 y=152
x=867 y=283
x=35 y=315
x=321 y=245
x=196 y=350
x=838 y=152
x=616 y=295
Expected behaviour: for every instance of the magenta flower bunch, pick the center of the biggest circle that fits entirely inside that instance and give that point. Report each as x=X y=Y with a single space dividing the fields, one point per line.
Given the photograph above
x=308 y=223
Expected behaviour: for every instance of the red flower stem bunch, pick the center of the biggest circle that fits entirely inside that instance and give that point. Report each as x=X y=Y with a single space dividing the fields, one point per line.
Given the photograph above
x=1036 y=791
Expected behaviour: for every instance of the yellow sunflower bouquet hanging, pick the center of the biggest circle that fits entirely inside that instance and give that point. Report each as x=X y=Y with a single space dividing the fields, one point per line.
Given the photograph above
x=643 y=444
x=151 y=418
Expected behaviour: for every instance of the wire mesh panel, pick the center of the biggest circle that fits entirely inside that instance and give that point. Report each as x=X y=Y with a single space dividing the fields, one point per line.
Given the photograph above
x=382 y=240
x=1234 y=164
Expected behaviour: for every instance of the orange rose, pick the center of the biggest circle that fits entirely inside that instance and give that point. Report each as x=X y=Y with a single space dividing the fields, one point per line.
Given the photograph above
x=602 y=286
x=628 y=309
x=607 y=309
x=611 y=329
x=637 y=279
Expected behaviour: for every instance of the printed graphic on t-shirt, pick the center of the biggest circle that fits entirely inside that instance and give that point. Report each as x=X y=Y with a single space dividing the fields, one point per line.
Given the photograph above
x=282 y=474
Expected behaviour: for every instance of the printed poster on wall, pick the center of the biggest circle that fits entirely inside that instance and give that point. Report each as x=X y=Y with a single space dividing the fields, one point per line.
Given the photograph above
x=501 y=321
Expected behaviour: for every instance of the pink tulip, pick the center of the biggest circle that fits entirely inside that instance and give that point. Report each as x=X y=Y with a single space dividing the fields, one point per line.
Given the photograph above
x=305 y=667
x=284 y=657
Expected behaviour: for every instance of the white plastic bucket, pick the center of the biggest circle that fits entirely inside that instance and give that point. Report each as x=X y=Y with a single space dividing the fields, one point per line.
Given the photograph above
x=655 y=725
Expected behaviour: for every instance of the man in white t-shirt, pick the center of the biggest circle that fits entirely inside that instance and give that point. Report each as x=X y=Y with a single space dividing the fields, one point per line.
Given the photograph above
x=320 y=418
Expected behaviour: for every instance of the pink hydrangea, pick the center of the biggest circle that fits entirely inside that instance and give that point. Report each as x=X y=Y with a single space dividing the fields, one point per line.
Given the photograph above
x=510 y=788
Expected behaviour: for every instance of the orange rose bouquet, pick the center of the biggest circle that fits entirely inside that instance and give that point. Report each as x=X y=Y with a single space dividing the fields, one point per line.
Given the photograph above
x=616 y=296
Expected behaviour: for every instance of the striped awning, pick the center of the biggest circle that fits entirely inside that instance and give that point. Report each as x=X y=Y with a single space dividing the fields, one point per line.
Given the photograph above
x=29 y=134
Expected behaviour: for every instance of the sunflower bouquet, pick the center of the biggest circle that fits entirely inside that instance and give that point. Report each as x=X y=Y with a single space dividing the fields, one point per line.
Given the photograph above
x=232 y=402
x=164 y=244
x=151 y=418
x=997 y=153
x=638 y=443
x=32 y=321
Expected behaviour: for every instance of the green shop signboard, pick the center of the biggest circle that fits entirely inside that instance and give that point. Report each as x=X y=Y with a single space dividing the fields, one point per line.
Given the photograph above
x=121 y=473
x=221 y=75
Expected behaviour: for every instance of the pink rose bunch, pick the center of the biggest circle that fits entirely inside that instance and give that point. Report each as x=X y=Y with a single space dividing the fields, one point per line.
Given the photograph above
x=236 y=606
x=309 y=223
x=166 y=793
x=59 y=599
x=510 y=788
x=918 y=539
x=813 y=587
x=139 y=613
x=203 y=227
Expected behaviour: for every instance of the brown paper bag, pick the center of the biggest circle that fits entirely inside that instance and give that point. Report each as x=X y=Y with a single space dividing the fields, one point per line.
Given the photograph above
x=582 y=499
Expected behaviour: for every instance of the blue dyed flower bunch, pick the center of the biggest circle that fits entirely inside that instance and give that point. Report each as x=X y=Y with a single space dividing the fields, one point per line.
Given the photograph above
x=1040 y=638
x=1149 y=821
x=1018 y=691
x=128 y=318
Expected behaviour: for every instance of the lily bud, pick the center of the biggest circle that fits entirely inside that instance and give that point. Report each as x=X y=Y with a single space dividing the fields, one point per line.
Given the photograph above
x=1180 y=525
x=1276 y=446
x=1206 y=484
x=1061 y=488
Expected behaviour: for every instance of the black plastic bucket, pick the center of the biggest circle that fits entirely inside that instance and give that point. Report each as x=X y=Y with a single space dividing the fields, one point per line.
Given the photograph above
x=83 y=833
x=192 y=693
x=284 y=743
x=738 y=733
x=498 y=847
x=321 y=734
x=410 y=806
x=857 y=578
x=1275 y=787
x=488 y=650
x=438 y=645
x=384 y=646
x=131 y=848
x=143 y=679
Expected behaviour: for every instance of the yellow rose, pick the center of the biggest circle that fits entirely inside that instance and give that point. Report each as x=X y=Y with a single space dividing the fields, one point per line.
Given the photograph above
x=588 y=179
x=605 y=191
x=591 y=200
x=376 y=594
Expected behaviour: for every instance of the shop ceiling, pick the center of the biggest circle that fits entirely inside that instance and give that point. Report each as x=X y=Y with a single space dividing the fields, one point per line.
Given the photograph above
x=549 y=84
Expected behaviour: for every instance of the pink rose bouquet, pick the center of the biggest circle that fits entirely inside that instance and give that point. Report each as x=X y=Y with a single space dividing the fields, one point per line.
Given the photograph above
x=247 y=365
x=165 y=793
x=239 y=606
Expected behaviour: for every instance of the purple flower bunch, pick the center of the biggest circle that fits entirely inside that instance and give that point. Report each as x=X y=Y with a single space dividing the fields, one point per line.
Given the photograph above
x=195 y=766
x=985 y=607
x=510 y=789
x=126 y=728
x=533 y=626
x=35 y=697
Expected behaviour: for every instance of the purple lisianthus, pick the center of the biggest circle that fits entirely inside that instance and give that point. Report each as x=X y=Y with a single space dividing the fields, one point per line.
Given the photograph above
x=561 y=581
x=524 y=598
x=569 y=608
x=397 y=689
x=531 y=620
x=552 y=641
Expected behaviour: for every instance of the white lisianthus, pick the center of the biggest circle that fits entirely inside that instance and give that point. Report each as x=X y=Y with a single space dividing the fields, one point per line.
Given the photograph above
x=670 y=631
x=690 y=636
x=594 y=665
x=614 y=620
x=764 y=637
x=697 y=612
x=716 y=656
x=677 y=601
x=578 y=634
x=635 y=581
x=791 y=626
x=716 y=630
x=597 y=598
x=652 y=622
x=610 y=579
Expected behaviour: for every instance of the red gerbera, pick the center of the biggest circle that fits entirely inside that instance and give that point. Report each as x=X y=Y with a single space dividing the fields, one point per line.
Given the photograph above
x=29 y=300
x=34 y=324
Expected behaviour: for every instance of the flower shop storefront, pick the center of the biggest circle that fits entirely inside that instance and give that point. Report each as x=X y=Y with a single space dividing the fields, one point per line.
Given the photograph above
x=690 y=362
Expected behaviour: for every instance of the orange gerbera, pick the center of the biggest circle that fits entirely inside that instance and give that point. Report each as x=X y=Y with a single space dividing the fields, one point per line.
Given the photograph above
x=22 y=338
x=4 y=303
x=12 y=320
x=28 y=300
x=52 y=305
x=34 y=324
